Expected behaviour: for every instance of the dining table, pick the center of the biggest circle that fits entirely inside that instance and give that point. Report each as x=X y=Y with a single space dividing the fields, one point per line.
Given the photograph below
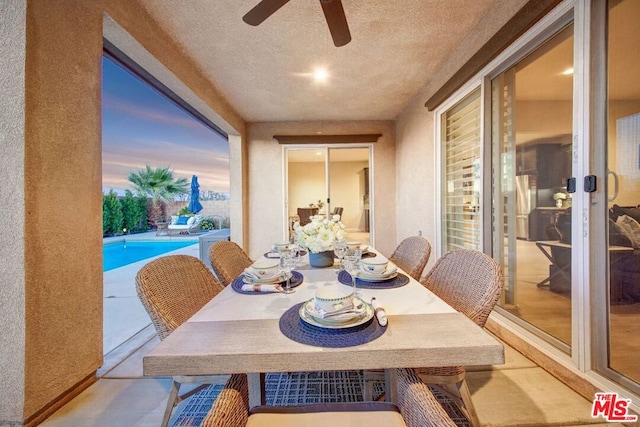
x=246 y=332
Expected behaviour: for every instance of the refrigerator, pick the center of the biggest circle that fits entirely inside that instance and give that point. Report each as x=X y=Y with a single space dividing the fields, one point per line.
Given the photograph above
x=525 y=203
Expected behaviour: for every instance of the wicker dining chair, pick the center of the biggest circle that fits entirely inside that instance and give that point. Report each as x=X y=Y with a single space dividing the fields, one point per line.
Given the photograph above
x=417 y=407
x=412 y=255
x=172 y=288
x=471 y=282
x=228 y=260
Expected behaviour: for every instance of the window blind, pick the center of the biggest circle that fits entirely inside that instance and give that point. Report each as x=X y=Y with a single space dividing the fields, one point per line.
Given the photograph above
x=461 y=174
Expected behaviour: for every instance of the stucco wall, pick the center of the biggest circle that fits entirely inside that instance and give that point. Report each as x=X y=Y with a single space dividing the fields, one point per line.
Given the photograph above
x=12 y=280
x=266 y=185
x=62 y=158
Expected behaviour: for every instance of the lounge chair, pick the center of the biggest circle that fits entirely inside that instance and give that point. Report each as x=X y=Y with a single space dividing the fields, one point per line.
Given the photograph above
x=185 y=224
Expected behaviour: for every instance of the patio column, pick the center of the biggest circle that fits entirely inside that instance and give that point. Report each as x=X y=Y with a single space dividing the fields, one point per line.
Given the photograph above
x=50 y=245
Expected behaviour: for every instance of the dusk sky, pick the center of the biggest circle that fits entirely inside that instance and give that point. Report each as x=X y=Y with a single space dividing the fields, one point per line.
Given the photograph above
x=141 y=126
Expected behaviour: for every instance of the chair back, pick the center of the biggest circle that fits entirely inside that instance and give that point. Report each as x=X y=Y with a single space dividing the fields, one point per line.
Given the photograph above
x=228 y=260
x=305 y=214
x=469 y=281
x=412 y=255
x=337 y=211
x=172 y=288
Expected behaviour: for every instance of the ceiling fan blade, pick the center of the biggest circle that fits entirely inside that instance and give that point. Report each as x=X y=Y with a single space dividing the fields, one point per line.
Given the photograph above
x=337 y=21
x=262 y=11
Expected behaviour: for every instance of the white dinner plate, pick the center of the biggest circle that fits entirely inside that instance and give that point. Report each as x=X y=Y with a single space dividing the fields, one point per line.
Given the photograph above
x=375 y=278
x=326 y=323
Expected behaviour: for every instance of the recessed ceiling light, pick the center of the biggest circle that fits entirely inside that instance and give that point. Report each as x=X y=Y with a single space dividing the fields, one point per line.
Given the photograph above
x=320 y=75
x=567 y=72
x=318 y=153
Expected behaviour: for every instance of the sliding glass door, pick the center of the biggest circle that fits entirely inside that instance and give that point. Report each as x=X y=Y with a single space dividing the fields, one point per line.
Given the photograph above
x=531 y=119
x=328 y=180
x=618 y=343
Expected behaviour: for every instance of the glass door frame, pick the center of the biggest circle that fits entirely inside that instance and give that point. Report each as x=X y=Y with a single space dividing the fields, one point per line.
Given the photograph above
x=544 y=30
x=599 y=201
x=326 y=149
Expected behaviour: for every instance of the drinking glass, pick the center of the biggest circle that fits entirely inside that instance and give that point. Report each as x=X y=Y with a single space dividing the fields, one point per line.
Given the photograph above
x=352 y=265
x=340 y=249
x=288 y=261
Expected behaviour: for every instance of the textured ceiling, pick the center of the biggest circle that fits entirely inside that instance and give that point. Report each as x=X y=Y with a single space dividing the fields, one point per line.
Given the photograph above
x=264 y=71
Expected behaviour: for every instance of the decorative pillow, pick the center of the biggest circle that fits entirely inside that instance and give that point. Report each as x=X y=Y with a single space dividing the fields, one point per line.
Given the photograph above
x=182 y=220
x=174 y=219
x=191 y=220
x=631 y=229
x=618 y=236
x=618 y=211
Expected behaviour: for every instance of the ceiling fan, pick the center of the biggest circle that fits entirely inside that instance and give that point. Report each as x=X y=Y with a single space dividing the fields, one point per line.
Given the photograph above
x=333 y=13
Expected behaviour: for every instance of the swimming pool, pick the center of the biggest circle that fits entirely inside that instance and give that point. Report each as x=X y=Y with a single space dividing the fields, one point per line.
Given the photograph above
x=121 y=253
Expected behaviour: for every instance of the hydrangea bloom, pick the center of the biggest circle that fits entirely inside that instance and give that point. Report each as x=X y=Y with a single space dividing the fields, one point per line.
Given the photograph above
x=320 y=234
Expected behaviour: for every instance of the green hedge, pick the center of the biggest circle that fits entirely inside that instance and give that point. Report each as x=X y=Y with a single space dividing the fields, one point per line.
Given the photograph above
x=127 y=214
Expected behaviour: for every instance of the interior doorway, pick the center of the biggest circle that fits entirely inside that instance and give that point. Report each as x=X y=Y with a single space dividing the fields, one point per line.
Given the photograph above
x=327 y=179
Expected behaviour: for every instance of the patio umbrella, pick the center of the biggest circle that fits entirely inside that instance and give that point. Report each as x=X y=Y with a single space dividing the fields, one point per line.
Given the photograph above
x=194 y=204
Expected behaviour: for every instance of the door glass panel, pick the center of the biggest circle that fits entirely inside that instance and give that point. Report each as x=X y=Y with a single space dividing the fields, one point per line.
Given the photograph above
x=531 y=146
x=623 y=153
x=349 y=189
x=325 y=179
x=306 y=183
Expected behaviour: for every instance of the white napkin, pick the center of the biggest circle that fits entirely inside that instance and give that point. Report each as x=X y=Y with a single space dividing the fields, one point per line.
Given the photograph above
x=381 y=315
x=261 y=287
x=272 y=254
x=251 y=276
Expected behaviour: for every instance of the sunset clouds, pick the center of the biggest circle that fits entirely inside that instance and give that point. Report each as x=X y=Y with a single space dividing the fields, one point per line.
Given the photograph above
x=141 y=126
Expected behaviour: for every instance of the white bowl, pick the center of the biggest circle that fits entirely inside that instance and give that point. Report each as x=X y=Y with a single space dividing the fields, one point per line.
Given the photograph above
x=332 y=298
x=280 y=246
x=376 y=265
x=266 y=268
x=354 y=245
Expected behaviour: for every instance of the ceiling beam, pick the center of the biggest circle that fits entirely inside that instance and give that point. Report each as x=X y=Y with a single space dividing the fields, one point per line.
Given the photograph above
x=327 y=139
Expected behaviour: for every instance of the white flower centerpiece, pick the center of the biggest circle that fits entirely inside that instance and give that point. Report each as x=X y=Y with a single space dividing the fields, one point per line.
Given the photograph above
x=319 y=237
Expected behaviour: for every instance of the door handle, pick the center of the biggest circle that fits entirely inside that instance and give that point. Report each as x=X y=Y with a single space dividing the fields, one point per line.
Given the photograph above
x=616 y=185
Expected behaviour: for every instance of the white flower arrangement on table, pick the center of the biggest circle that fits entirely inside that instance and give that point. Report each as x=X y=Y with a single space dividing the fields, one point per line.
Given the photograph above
x=320 y=234
x=560 y=196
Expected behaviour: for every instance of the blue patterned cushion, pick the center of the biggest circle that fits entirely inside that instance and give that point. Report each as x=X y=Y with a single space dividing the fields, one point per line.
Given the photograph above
x=182 y=220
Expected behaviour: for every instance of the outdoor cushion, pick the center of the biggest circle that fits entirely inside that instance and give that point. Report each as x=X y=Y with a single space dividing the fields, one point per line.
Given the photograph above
x=182 y=220
x=330 y=415
x=174 y=219
x=191 y=220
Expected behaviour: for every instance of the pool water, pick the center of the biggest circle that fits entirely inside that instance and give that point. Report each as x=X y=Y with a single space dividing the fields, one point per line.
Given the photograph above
x=119 y=254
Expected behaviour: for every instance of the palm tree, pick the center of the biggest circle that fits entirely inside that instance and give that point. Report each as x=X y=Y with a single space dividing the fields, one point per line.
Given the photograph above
x=160 y=186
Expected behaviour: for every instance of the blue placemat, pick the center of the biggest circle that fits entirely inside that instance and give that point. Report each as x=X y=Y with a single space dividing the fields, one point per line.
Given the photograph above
x=236 y=285
x=296 y=329
x=396 y=282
